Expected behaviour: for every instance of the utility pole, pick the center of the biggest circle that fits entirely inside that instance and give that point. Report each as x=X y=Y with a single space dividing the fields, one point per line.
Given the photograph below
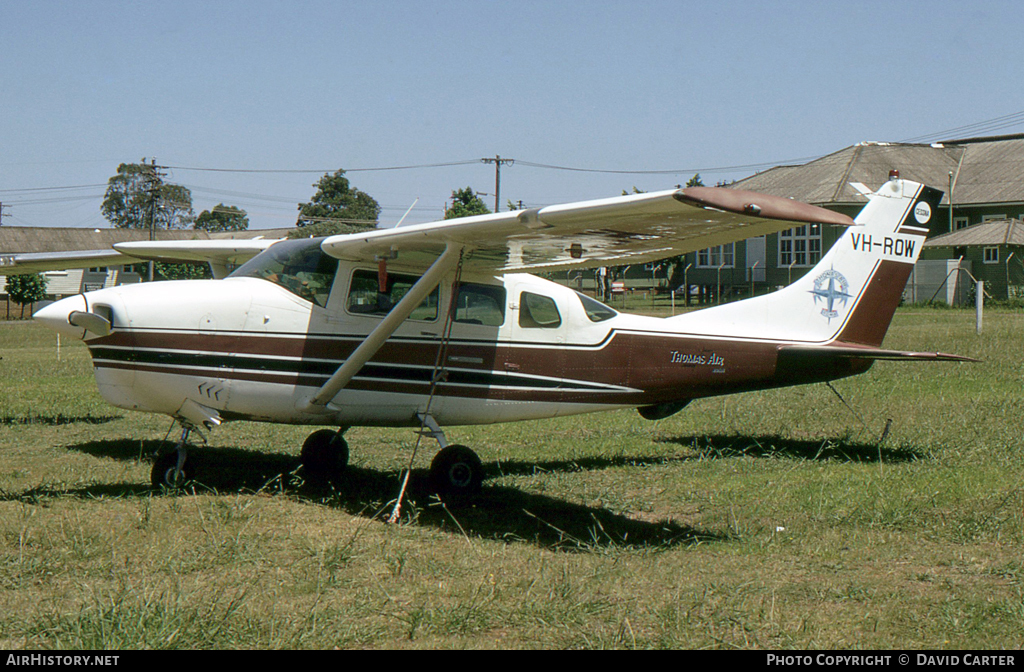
x=154 y=177
x=2 y=206
x=497 y=161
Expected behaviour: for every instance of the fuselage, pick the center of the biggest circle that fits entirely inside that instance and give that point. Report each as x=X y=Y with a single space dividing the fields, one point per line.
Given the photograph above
x=347 y=331
x=258 y=345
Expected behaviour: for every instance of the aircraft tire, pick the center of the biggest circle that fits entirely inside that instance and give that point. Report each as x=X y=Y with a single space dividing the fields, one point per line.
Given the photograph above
x=164 y=467
x=324 y=455
x=456 y=474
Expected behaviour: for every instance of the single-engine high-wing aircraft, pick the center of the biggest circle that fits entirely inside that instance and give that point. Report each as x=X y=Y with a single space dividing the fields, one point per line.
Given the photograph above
x=437 y=324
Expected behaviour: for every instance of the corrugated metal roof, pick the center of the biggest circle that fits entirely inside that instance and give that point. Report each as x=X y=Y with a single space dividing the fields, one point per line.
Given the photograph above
x=1000 y=232
x=992 y=172
x=986 y=170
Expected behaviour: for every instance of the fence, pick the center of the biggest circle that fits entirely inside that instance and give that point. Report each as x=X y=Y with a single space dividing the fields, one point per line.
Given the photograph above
x=945 y=280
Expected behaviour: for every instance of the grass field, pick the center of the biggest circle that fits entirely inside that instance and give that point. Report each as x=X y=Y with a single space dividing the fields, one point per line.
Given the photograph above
x=762 y=520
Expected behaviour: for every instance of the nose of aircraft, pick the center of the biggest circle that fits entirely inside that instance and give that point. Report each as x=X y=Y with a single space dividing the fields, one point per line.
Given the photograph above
x=57 y=316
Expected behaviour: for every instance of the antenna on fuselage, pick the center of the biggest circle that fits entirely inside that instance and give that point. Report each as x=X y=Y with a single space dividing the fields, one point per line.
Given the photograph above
x=407 y=212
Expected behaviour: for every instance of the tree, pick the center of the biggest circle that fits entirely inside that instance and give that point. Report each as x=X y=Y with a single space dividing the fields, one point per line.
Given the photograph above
x=695 y=181
x=26 y=288
x=335 y=203
x=137 y=196
x=325 y=228
x=465 y=203
x=197 y=271
x=223 y=218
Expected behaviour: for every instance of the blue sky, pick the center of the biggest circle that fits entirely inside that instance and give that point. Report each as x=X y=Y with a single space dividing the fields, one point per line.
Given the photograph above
x=306 y=85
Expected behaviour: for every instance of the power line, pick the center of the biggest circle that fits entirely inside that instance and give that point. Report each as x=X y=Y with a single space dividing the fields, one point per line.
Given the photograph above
x=33 y=189
x=329 y=170
x=531 y=164
x=56 y=199
x=1014 y=119
x=673 y=171
x=987 y=126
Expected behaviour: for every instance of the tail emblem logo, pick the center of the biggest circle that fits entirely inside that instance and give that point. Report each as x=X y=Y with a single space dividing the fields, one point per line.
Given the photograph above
x=831 y=287
x=922 y=212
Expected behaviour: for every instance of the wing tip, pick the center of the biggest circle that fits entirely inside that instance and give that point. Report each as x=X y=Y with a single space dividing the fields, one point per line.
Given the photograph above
x=754 y=204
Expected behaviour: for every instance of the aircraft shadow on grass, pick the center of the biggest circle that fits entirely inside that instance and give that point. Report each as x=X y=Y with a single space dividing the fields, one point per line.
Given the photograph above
x=499 y=512
x=56 y=419
x=719 y=446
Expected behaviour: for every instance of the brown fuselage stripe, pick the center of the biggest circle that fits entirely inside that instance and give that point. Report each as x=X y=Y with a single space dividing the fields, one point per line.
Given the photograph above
x=653 y=368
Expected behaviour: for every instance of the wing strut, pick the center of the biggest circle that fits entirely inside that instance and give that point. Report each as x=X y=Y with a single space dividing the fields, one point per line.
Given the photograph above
x=369 y=347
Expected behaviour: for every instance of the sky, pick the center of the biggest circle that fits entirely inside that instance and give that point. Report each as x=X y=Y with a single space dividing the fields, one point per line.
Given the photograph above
x=250 y=103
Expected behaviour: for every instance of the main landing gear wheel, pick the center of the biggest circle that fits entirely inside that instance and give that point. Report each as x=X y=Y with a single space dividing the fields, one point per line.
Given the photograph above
x=165 y=471
x=324 y=455
x=456 y=474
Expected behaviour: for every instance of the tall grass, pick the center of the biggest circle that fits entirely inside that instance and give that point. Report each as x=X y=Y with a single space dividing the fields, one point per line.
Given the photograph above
x=765 y=520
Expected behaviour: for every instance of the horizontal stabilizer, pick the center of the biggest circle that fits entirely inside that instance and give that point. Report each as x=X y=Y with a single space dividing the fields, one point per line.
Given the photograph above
x=840 y=351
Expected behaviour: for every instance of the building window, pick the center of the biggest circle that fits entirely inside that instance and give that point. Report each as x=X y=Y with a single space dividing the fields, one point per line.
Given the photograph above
x=720 y=255
x=991 y=255
x=993 y=218
x=960 y=223
x=800 y=246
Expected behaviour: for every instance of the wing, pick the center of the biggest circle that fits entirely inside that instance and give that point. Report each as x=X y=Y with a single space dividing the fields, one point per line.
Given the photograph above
x=218 y=253
x=38 y=262
x=588 y=234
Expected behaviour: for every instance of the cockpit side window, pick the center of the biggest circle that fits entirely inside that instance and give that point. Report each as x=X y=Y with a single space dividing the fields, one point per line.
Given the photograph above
x=538 y=312
x=300 y=266
x=365 y=297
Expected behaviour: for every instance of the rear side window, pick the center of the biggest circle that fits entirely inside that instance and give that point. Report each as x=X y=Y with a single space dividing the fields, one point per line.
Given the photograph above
x=538 y=312
x=596 y=311
x=480 y=304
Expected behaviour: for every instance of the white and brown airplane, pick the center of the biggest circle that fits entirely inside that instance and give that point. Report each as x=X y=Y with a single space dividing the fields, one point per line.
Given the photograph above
x=437 y=324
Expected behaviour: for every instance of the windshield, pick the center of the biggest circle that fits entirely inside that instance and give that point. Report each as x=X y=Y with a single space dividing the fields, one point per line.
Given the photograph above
x=596 y=311
x=300 y=266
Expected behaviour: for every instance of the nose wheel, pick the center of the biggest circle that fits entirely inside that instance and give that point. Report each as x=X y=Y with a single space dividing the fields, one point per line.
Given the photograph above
x=173 y=469
x=167 y=474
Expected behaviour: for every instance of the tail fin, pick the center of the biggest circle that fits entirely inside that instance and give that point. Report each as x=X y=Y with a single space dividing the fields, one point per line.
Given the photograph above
x=851 y=294
x=878 y=258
